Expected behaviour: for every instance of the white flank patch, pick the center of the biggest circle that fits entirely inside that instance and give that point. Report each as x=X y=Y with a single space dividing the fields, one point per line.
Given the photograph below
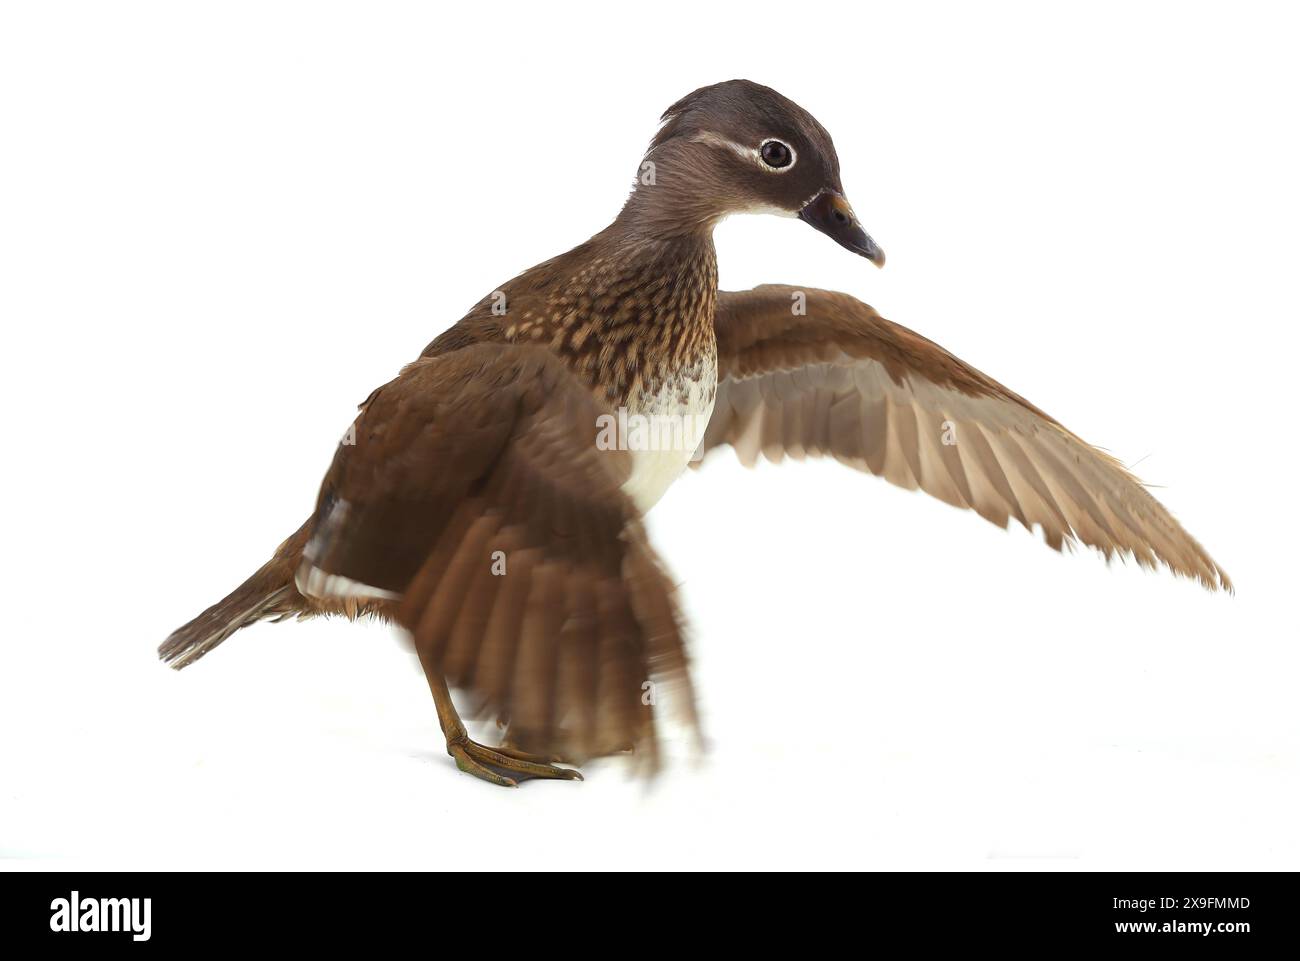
x=317 y=584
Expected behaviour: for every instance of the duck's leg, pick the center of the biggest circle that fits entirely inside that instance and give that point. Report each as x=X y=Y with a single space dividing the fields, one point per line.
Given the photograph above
x=481 y=761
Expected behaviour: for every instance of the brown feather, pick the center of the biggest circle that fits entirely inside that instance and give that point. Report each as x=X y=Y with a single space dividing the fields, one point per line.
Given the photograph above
x=893 y=393
x=506 y=434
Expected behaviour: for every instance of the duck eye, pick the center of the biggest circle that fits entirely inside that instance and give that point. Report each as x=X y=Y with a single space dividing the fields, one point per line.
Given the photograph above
x=776 y=154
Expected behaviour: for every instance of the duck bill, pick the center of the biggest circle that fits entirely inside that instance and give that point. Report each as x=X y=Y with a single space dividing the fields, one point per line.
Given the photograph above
x=830 y=213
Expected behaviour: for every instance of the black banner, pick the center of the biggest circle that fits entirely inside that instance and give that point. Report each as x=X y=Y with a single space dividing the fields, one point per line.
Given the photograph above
x=229 y=910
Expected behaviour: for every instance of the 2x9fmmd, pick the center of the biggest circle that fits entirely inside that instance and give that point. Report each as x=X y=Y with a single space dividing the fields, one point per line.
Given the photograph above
x=1188 y=904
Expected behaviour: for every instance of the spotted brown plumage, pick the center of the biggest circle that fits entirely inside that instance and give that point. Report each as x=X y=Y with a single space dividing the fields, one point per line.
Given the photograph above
x=477 y=503
x=625 y=314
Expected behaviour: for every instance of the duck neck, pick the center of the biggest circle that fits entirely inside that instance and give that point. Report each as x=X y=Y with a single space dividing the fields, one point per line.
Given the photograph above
x=647 y=296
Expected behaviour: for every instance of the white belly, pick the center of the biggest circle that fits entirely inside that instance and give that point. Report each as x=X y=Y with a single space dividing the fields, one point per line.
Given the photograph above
x=665 y=430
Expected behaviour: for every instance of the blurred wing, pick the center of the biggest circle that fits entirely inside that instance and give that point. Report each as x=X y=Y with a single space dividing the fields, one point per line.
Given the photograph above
x=814 y=372
x=474 y=499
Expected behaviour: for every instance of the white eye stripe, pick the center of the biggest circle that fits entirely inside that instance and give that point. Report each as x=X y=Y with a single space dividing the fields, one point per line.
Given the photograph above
x=749 y=153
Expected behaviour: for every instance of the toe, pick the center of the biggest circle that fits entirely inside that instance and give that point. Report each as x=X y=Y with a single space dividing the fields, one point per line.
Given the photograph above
x=528 y=768
x=518 y=755
x=471 y=766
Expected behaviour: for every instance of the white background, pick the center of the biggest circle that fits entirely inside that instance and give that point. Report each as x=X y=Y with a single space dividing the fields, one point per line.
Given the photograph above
x=221 y=225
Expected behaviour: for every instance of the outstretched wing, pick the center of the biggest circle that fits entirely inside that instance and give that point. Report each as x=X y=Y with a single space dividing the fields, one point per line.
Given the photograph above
x=473 y=498
x=814 y=372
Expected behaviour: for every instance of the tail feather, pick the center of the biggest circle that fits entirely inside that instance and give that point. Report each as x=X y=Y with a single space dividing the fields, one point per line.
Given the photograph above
x=268 y=593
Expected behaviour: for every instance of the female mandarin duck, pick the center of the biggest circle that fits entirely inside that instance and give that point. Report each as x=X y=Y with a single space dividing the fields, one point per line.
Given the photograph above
x=473 y=503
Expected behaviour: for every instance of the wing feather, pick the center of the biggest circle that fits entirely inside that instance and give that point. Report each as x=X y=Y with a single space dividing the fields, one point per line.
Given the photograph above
x=489 y=454
x=841 y=381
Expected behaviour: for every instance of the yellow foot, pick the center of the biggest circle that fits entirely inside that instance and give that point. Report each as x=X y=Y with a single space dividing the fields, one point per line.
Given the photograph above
x=488 y=763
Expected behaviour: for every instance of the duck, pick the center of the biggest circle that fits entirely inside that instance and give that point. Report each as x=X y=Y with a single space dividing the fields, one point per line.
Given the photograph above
x=490 y=499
